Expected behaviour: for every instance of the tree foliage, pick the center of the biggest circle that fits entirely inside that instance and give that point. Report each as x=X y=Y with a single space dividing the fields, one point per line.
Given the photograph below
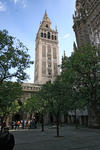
x=13 y=58
x=78 y=86
x=84 y=78
x=9 y=95
x=53 y=95
x=31 y=105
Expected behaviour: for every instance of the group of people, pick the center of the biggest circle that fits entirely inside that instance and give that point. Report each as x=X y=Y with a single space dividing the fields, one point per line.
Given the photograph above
x=7 y=140
x=15 y=124
x=30 y=124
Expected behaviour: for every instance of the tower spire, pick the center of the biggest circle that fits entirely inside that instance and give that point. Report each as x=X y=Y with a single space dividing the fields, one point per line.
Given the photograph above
x=46 y=20
x=45 y=15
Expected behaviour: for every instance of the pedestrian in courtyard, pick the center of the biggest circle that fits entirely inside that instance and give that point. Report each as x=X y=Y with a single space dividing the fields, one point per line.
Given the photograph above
x=13 y=124
x=3 y=125
x=23 y=124
x=18 y=124
x=35 y=122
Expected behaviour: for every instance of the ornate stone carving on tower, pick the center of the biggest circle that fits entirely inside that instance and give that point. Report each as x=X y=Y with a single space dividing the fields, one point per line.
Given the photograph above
x=46 y=53
x=87 y=22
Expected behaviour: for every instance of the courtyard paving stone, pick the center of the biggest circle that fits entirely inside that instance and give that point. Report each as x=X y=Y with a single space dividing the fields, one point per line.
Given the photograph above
x=71 y=139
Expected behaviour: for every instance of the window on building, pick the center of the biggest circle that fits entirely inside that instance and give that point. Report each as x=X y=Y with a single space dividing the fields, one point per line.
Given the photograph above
x=43 y=51
x=44 y=35
x=52 y=37
x=54 y=53
x=46 y=25
x=49 y=53
x=48 y=35
x=55 y=69
x=49 y=49
x=55 y=37
x=43 y=68
x=49 y=64
x=41 y=34
x=49 y=72
x=49 y=58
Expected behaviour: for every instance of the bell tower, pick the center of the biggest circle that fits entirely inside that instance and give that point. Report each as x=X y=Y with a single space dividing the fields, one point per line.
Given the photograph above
x=46 y=53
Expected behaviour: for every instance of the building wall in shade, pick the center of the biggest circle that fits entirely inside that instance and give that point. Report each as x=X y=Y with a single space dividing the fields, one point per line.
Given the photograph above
x=87 y=22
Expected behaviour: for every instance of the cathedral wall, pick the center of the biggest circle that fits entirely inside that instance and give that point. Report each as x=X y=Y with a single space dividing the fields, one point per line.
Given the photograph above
x=93 y=23
x=87 y=22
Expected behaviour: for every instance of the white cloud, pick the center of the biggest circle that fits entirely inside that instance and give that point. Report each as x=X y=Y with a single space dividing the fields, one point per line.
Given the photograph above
x=15 y=1
x=66 y=36
x=22 y=2
x=2 y=6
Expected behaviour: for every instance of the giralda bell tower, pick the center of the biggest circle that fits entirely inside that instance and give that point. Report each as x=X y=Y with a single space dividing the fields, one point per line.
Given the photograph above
x=46 y=53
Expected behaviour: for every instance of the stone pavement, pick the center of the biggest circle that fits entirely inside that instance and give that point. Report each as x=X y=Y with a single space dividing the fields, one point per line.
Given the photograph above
x=71 y=139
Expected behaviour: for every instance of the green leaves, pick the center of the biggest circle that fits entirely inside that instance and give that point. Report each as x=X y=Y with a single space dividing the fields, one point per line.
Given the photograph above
x=9 y=94
x=13 y=58
x=82 y=74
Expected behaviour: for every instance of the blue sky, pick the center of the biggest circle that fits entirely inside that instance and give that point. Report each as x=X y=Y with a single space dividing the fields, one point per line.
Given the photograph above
x=22 y=19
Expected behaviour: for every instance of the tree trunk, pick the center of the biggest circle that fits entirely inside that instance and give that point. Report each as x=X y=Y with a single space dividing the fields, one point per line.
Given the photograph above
x=76 y=120
x=57 y=124
x=94 y=109
x=93 y=117
x=42 y=122
x=3 y=123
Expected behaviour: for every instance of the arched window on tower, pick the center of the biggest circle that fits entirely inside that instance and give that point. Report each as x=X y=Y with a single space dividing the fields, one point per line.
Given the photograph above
x=49 y=52
x=41 y=34
x=49 y=72
x=46 y=25
x=43 y=69
x=44 y=35
x=48 y=35
x=49 y=49
x=55 y=37
x=52 y=37
x=54 y=53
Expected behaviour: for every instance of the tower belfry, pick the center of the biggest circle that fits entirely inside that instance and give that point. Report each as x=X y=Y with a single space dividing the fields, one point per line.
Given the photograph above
x=46 y=53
